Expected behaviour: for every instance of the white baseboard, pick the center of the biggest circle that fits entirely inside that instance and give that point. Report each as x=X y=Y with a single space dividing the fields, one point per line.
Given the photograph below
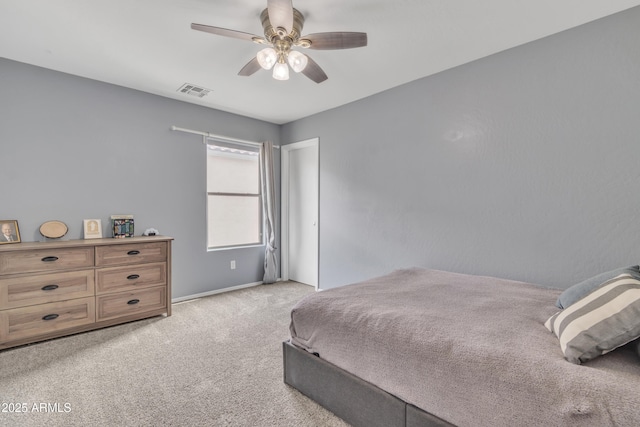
x=214 y=292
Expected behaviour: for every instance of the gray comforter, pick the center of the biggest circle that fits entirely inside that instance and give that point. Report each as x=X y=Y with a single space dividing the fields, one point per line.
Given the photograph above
x=471 y=350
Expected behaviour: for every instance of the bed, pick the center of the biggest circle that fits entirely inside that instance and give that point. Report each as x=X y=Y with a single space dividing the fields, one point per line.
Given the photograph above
x=421 y=347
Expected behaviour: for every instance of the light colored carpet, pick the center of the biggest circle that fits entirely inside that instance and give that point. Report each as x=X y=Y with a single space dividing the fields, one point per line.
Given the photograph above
x=217 y=361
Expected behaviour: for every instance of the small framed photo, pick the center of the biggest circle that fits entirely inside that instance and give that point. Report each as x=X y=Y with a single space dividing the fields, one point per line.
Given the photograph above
x=9 y=232
x=92 y=229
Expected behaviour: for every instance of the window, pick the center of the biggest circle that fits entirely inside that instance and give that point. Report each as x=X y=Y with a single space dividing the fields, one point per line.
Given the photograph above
x=234 y=199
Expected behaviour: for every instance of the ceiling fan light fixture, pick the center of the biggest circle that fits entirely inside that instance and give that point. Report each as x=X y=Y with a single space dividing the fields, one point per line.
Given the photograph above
x=267 y=58
x=282 y=25
x=281 y=71
x=297 y=60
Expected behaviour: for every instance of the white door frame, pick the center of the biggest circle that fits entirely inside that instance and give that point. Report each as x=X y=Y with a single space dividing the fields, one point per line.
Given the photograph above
x=284 y=211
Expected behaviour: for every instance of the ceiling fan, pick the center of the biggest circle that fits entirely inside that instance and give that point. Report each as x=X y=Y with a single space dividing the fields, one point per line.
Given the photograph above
x=282 y=26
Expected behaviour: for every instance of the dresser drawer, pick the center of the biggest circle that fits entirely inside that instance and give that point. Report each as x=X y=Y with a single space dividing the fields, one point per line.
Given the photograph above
x=131 y=254
x=131 y=303
x=116 y=279
x=32 y=321
x=42 y=288
x=42 y=260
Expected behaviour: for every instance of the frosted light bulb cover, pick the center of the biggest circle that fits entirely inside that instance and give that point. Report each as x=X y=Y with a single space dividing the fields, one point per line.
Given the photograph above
x=281 y=71
x=297 y=60
x=267 y=58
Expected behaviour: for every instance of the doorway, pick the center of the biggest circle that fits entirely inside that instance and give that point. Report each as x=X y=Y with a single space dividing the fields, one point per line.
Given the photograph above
x=300 y=211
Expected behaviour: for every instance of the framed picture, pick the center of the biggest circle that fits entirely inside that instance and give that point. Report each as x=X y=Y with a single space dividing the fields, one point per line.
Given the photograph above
x=122 y=226
x=9 y=232
x=92 y=229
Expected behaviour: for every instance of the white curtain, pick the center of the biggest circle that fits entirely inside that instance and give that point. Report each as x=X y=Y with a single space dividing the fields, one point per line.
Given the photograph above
x=268 y=197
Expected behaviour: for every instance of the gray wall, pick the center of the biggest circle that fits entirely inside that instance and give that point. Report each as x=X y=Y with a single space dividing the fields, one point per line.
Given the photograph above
x=520 y=165
x=74 y=148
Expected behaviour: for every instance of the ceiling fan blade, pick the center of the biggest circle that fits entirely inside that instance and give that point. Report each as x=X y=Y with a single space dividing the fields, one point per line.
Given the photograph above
x=224 y=32
x=251 y=67
x=336 y=40
x=281 y=14
x=313 y=71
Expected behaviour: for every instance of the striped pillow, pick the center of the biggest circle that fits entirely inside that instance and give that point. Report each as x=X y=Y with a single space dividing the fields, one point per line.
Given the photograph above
x=603 y=320
x=579 y=290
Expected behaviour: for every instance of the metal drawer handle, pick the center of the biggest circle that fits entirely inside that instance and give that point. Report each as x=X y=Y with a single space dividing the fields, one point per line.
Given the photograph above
x=50 y=317
x=133 y=253
x=133 y=276
x=50 y=258
x=50 y=287
x=133 y=301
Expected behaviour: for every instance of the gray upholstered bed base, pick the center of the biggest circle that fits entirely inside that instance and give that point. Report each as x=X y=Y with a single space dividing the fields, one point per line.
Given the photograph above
x=356 y=401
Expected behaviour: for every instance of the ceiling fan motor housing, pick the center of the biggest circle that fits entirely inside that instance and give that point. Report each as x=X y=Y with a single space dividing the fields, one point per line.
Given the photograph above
x=273 y=34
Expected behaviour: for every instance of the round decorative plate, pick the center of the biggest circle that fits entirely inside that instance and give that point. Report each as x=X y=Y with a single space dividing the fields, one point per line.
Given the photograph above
x=53 y=229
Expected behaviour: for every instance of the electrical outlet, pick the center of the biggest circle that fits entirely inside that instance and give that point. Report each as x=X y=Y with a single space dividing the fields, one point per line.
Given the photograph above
x=233 y=264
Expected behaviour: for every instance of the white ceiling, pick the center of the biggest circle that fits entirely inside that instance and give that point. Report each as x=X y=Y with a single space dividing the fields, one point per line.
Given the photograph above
x=148 y=45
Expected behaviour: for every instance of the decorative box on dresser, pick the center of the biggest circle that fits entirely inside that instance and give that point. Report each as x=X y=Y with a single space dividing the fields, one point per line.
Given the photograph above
x=52 y=289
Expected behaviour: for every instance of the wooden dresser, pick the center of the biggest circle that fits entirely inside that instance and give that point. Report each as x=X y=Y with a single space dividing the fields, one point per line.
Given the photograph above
x=52 y=289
